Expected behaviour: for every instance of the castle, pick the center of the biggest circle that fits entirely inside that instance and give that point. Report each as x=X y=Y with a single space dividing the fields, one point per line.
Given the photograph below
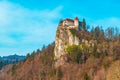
x=69 y=23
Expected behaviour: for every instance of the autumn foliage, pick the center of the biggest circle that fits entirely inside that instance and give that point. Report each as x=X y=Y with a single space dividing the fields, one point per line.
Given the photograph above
x=97 y=57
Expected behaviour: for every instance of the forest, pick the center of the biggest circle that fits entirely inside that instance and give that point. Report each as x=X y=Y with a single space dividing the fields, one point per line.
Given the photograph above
x=97 y=57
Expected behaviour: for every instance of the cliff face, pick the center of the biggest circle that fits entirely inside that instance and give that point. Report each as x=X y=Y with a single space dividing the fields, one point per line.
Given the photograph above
x=91 y=57
x=64 y=38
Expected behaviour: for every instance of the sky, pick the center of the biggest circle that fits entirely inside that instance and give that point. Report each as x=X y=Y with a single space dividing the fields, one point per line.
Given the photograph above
x=26 y=25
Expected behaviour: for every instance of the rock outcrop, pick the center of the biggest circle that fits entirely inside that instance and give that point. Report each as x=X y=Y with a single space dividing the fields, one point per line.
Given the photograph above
x=64 y=38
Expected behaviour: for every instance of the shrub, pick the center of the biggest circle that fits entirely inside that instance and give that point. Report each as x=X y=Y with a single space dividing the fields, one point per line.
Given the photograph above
x=75 y=53
x=73 y=31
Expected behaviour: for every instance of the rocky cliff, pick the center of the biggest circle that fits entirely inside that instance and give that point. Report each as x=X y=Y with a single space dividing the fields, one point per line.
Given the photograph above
x=64 y=38
x=87 y=56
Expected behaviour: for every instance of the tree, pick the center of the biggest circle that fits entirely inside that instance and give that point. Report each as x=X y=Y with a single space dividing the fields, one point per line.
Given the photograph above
x=2 y=63
x=116 y=31
x=116 y=52
x=92 y=29
x=75 y=53
x=38 y=51
x=84 y=25
x=33 y=53
x=28 y=55
x=43 y=48
x=109 y=33
x=98 y=33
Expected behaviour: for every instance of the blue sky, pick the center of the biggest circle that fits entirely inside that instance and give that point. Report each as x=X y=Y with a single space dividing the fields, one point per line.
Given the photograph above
x=26 y=25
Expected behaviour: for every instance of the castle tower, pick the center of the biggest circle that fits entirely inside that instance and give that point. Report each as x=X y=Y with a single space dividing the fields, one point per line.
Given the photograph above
x=76 y=22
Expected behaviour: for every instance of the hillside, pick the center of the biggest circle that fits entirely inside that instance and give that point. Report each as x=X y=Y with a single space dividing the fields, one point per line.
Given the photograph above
x=11 y=59
x=76 y=54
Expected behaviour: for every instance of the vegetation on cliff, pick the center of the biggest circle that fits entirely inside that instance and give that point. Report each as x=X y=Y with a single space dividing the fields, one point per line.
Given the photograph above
x=96 y=57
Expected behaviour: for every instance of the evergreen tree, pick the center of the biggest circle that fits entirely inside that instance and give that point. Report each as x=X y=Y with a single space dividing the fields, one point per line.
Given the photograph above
x=84 y=25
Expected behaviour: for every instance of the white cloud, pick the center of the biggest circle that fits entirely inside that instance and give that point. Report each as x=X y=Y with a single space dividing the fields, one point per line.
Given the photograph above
x=22 y=27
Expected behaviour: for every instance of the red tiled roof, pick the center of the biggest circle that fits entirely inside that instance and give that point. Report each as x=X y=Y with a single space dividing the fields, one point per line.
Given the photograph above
x=76 y=18
x=61 y=21
x=70 y=20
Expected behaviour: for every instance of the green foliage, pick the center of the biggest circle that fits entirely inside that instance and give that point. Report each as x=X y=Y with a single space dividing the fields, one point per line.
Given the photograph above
x=75 y=53
x=33 y=53
x=28 y=55
x=38 y=51
x=2 y=63
x=84 y=25
x=73 y=31
x=44 y=47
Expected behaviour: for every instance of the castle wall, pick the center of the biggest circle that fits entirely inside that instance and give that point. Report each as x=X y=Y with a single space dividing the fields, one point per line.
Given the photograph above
x=70 y=27
x=76 y=23
x=68 y=23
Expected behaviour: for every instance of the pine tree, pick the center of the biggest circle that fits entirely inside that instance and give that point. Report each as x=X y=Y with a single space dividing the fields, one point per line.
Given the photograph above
x=84 y=25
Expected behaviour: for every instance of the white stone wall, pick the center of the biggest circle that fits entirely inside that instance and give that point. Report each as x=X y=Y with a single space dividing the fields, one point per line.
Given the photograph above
x=70 y=27
x=76 y=23
x=68 y=23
